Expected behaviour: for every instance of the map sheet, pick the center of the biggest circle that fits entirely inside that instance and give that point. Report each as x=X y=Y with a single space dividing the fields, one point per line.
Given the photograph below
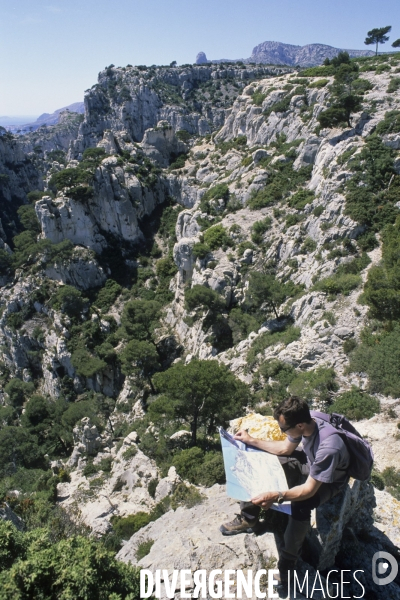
x=250 y=471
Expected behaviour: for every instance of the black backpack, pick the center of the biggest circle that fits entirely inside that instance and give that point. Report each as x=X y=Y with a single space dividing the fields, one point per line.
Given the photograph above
x=361 y=455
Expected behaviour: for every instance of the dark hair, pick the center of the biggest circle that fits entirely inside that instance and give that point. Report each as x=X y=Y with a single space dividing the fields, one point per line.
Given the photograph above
x=294 y=410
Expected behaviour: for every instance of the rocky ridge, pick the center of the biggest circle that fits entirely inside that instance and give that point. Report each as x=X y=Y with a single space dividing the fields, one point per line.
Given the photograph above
x=139 y=226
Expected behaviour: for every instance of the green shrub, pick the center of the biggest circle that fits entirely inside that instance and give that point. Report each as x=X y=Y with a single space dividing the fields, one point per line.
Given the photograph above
x=259 y=229
x=85 y=364
x=320 y=83
x=355 y=405
x=258 y=98
x=46 y=567
x=300 y=199
x=220 y=191
x=391 y=478
x=216 y=237
x=183 y=135
x=241 y=324
x=246 y=161
x=318 y=210
x=330 y=317
x=107 y=295
x=314 y=385
x=382 y=289
x=125 y=527
x=69 y=300
x=349 y=345
x=377 y=480
x=309 y=245
x=201 y=250
x=152 y=486
x=18 y=392
x=291 y=220
x=144 y=549
x=178 y=161
x=89 y=469
x=394 y=85
x=367 y=241
x=378 y=355
x=130 y=452
x=318 y=71
x=200 y=296
x=390 y=124
x=339 y=284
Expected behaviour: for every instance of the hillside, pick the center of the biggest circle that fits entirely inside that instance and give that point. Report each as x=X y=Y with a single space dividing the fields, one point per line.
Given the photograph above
x=202 y=241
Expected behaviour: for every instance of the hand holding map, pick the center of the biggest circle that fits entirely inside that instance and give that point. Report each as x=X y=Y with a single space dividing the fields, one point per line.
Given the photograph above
x=249 y=471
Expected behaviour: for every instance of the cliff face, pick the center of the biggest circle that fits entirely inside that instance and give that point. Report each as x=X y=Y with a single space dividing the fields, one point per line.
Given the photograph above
x=199 y=213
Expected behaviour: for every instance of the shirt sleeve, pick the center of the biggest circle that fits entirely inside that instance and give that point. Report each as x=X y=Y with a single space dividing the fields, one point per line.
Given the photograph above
x=294 y=440
x=325 y=464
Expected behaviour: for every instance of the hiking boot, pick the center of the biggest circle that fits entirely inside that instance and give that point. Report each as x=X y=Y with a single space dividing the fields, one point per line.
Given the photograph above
x=286 y=568
x=238 y=525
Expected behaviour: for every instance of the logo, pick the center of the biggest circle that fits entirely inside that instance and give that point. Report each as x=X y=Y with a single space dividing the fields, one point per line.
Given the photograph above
x=381 y=563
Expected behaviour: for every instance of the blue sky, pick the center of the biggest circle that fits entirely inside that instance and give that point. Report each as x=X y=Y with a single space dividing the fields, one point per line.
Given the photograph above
x=51 y=51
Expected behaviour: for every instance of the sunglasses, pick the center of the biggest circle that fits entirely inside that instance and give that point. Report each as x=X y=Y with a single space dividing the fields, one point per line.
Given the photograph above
x=285 y=429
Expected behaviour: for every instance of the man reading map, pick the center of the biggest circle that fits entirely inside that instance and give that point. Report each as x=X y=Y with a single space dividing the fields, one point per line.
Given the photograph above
x=314 y=475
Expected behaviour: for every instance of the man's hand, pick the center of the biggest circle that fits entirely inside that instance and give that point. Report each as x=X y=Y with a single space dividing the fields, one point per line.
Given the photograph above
x=265 y=500
x=243 y=436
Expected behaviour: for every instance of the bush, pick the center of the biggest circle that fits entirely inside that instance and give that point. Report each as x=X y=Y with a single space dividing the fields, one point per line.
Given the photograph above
x=259 y=228
x=183 y=135
x=394 y=85
x=378 y=355
x=241 y=324
x=320 y=83
x=309 y=246
x=201 y=250
x=300 y=199
x=349 y=345
x=314 y=385
x=107 y=295
x=258 y=98
x=76 y=567
x=355 y=405
x=85 y=364
x=144 y=549
x=18 y=392
x=217 y=237
x=318 y=210
x=69 y=300
x=390 y=124
x=367 y=241
x=220 y=191
x=200 y=296
x=339 y=284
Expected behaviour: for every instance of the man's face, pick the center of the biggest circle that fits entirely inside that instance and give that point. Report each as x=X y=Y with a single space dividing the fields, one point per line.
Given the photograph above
x=294 y=432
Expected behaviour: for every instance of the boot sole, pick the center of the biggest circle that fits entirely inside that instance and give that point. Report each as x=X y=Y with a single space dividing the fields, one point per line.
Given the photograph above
x=236 y=531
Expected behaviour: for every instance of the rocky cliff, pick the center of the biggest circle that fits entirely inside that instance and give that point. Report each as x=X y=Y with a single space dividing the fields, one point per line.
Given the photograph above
x=278 y=53
x=204 y=221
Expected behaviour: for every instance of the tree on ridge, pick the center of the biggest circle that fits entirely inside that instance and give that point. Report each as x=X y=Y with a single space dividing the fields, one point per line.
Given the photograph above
x=377 y=36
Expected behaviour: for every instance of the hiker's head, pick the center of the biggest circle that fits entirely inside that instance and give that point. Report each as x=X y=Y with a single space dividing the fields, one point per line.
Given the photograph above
x=293 y=414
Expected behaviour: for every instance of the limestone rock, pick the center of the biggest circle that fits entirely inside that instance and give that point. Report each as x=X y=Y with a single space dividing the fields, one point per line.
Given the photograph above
x=201 y=59
x=7 y=514
x=167 y=485
x=262 y=428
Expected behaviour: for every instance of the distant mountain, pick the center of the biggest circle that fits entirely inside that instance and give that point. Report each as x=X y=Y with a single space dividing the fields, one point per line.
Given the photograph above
x=46 y=118
x=277 y=53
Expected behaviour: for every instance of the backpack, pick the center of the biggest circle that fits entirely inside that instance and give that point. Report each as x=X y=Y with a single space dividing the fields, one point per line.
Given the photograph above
x=361 y=455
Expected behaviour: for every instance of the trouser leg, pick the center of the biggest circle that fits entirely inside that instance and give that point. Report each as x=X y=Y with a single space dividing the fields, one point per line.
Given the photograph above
x=299 y=521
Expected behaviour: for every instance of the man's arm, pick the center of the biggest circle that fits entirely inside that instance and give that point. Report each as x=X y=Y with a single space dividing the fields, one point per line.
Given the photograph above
x=282 y=448
x=300 y=492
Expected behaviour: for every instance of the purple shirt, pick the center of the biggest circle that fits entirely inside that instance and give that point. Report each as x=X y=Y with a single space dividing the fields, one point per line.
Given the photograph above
x=329 y=460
